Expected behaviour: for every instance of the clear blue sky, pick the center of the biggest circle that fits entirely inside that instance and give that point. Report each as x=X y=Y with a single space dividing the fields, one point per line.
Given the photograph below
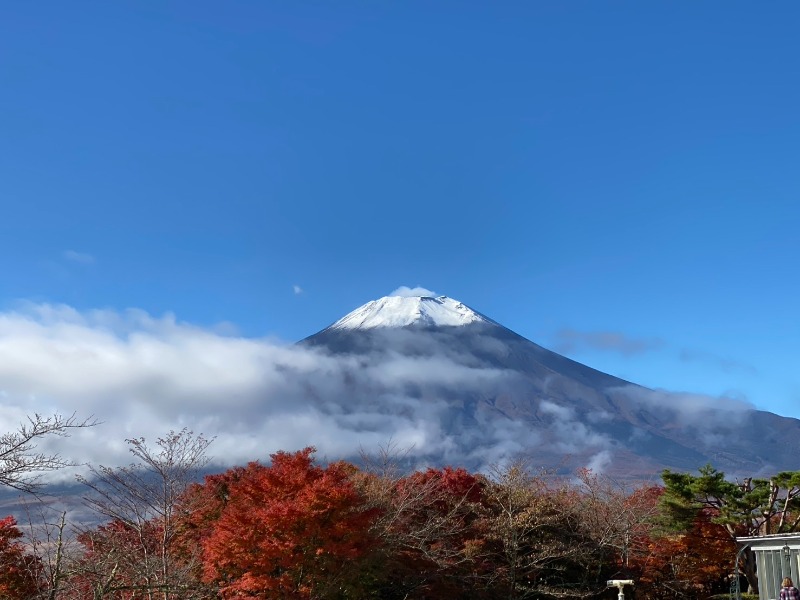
x=618 y=181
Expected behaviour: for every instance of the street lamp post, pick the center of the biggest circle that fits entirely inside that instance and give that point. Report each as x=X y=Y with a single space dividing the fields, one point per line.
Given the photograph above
x=787 y=564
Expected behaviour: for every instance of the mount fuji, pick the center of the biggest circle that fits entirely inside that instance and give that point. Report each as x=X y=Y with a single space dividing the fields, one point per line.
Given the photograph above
x=432 y=373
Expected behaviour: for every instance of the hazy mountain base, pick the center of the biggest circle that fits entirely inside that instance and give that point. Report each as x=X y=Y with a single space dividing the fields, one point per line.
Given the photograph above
x=479 y=394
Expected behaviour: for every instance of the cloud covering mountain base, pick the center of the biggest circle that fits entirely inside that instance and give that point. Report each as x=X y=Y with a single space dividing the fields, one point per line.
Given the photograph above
x=471 y=395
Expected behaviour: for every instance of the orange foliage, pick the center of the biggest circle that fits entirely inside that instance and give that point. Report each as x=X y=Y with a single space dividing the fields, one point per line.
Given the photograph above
x=696 y=563
x=284 y=530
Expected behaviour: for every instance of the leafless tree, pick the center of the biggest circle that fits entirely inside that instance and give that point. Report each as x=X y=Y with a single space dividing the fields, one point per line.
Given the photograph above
x=425 y=528
x=49 y=541
x=617 y=515
x=143 y=499
x=22 y=464
x=540 y=545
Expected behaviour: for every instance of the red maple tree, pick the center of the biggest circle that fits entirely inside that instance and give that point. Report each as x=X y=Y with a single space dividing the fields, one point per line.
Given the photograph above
x=696 y=563
x=18 y=569
x=286 y=530
x=430 y=528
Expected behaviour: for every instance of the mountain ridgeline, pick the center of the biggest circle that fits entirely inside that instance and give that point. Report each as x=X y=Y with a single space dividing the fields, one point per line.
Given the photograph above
x=462 y=389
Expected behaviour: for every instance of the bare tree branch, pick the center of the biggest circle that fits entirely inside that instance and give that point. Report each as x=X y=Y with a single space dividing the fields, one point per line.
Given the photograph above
x=22 y=464
x=144 y=497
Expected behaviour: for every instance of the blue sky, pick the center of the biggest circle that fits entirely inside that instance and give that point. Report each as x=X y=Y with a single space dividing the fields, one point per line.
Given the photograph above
x=616 y=181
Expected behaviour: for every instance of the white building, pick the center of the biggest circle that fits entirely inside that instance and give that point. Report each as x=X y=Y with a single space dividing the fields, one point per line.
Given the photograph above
x=777 y=556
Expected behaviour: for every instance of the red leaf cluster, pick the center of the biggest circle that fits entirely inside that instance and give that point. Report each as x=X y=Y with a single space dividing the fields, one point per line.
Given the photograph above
x=18 y=569
x=284 y=529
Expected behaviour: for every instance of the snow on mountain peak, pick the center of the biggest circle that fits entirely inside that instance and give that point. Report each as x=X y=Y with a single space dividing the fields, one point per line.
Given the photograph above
x=402 y=311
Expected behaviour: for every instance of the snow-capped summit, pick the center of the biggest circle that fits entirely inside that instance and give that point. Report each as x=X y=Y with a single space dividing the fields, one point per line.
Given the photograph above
x=403 y=311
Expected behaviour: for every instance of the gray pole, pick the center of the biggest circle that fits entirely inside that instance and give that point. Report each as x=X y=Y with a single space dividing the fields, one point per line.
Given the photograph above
x=736 y=587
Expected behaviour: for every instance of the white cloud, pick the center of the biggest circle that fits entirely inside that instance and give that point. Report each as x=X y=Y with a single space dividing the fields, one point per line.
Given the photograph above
x=406 y=291
x=686 y=407
x=144 y=375
x=297 y=289
x=570 y=434
x=600 y=461
x=708 y=419
x=78 y=257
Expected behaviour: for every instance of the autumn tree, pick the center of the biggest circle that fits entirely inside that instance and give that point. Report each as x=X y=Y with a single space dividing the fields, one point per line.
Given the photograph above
x=694 y=563
x=541 y=546
x=744 y=508
x=428 y=524
x=292 y=529
x=202 y=505
x=617 y=516
x=110 y=564
x=141 y=503
x=19 y=570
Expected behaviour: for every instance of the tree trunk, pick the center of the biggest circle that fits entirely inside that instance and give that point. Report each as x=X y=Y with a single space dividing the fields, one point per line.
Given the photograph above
x=749 y=569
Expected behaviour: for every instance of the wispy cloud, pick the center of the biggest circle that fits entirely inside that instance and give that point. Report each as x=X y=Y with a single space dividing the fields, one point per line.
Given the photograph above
x=297 y=289
x=727 y=365
x=570 y=340
x=406 y=291
x=709 y=420
x=686 y=407
x=78 y=257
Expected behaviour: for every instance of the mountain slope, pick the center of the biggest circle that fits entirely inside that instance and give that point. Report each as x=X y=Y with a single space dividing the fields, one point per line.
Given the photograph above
x=478 y=392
